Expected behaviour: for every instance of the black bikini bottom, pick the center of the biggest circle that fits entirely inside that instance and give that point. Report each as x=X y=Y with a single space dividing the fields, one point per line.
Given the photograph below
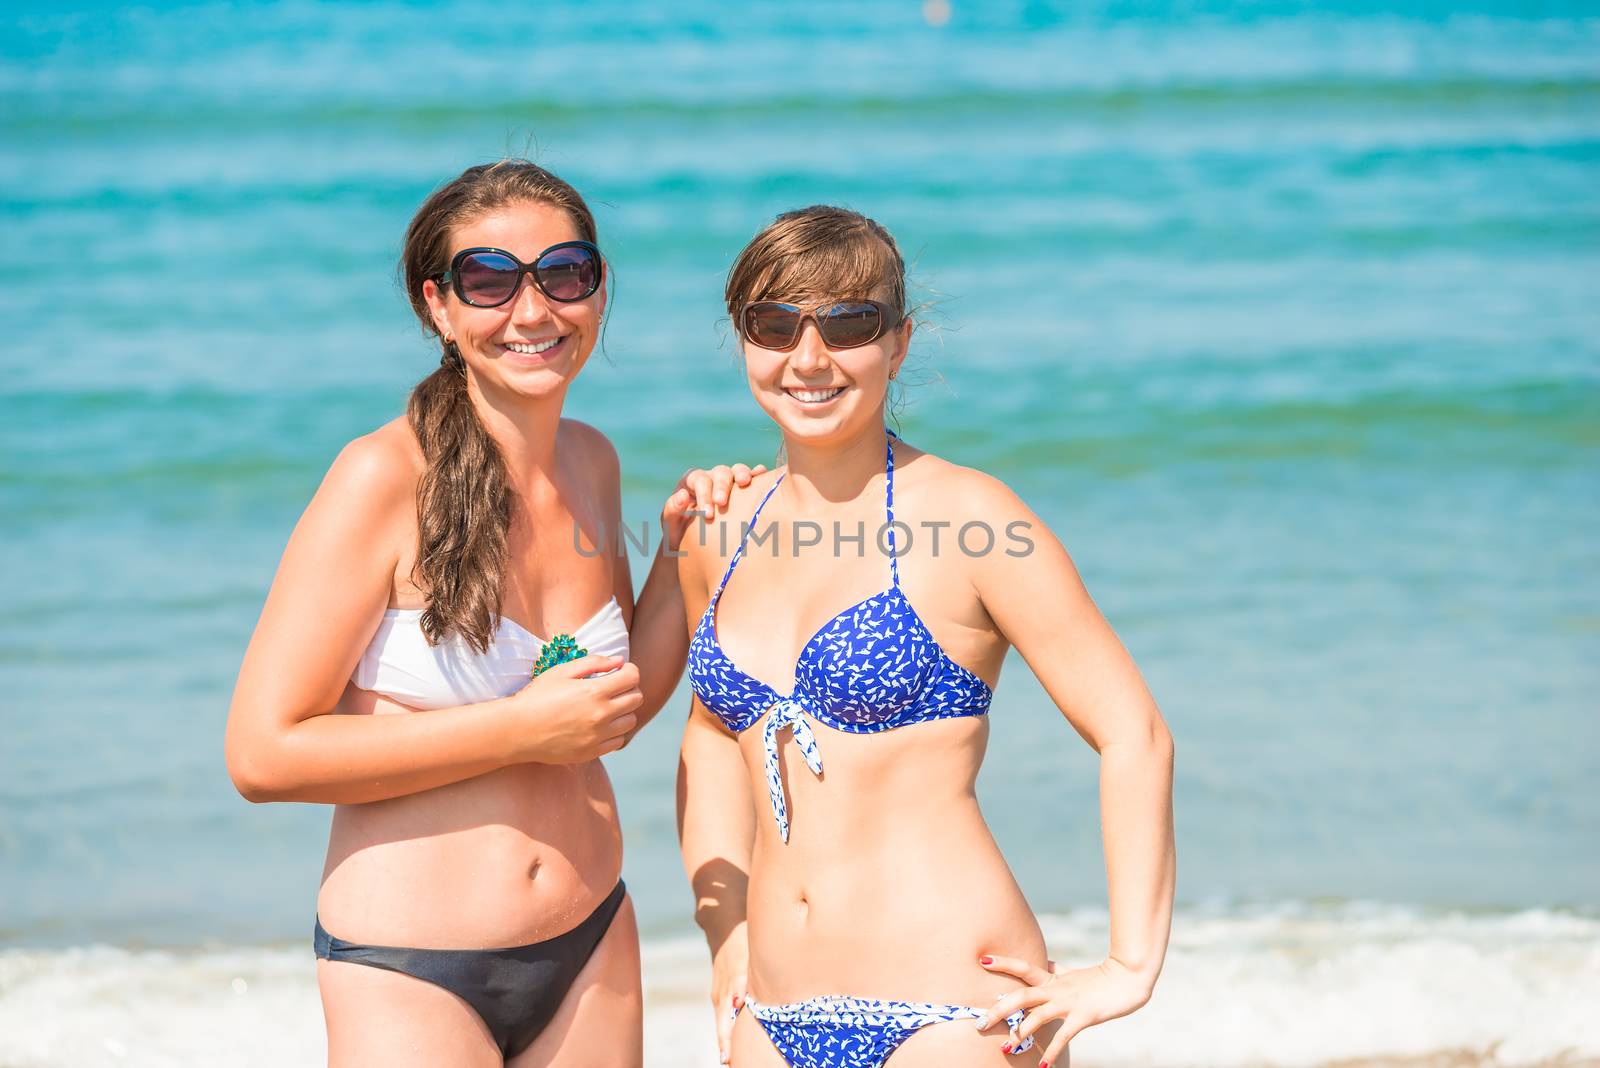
x=516 y=991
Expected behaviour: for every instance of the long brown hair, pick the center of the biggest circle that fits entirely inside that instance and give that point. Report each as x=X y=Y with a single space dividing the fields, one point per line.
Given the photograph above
x=464 y=499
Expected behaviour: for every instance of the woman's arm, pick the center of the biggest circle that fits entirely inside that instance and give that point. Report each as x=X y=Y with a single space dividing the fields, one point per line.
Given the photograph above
x=283 y=741
x=716 y=832
x=716 y=828
x=657 y=643
x=1038 y=602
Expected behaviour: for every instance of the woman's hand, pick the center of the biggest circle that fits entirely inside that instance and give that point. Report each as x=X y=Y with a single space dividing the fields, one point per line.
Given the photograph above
x=702 y=493
x=576 y=711
x=730 y=981
x=1078 y=997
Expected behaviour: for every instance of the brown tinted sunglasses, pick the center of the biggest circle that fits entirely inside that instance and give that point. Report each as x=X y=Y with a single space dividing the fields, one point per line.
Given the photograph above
x=845 y=324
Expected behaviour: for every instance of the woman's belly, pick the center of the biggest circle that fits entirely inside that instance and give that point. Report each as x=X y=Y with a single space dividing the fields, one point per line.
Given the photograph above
x=505 y=859
x=890 y=885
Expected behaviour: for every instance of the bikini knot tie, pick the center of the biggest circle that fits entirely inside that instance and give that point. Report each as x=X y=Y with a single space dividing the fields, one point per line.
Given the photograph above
x=787 y=712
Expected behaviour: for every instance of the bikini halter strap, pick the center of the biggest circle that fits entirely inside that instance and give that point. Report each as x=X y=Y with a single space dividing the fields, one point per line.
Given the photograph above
x=888 y=507
x=888 y=503
x=744 y=536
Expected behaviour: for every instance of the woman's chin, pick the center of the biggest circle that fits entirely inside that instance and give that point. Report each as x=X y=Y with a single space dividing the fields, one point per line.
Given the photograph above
x=533 y=383
x=830 y=423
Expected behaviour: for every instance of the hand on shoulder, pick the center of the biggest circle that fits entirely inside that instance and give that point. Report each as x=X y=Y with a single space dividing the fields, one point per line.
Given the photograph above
x=710 y=538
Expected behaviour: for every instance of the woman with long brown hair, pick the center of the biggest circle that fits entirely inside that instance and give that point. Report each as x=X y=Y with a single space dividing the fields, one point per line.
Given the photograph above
x=859 y=912
x=471 y=910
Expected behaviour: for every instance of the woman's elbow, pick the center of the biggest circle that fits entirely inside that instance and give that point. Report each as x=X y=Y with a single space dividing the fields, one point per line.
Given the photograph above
x=254 y=783
x=255 y=774
x=1148 y=744
x=249 y=785
x=1161 y=742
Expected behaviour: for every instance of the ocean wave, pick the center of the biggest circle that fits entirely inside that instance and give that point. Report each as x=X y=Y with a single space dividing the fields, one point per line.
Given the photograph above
x=48 y=113
x=1295 y=985
x=257 y=444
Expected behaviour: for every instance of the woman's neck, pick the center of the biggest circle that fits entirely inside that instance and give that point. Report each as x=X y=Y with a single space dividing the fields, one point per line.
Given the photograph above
x=835 y=471
x=525 y=430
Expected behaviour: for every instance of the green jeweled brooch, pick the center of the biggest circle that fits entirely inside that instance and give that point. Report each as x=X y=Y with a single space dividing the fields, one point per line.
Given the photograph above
x=558 y=650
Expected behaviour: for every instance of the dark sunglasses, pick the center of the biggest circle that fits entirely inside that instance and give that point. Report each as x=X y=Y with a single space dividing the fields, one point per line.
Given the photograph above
x=847 y=324
x=488 y=277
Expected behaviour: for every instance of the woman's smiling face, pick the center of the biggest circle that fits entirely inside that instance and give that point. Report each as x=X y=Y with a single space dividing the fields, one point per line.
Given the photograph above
x=811 y=258
x=816 y=393
x=530 y=345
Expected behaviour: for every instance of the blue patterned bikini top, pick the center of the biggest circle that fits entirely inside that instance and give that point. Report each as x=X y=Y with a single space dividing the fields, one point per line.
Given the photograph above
x=873 y=667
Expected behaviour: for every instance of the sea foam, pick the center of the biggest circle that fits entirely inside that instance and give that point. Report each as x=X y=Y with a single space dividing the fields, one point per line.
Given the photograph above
x=1287 y=985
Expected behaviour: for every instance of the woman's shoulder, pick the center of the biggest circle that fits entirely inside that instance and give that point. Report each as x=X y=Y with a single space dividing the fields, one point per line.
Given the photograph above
x=970 y=517
x=744 y=500
x=956 y=490
x=717 y=538
x=365 y=511
x=708 y=544
x=595 y=453
x=376 y=471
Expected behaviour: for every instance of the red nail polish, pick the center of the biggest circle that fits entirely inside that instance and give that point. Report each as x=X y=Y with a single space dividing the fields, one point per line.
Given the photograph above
x=1044 y=1064
x=985 y=960
x=1006 y=1048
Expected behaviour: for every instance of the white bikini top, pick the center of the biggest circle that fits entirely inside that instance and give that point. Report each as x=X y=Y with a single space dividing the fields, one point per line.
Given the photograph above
x=401 y=665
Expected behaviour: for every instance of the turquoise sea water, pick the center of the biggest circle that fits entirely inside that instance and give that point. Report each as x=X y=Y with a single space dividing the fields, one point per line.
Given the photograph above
x=1286 y=321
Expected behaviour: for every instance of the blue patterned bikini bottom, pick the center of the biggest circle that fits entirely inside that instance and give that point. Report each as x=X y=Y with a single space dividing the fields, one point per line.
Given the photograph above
x=845 y=1032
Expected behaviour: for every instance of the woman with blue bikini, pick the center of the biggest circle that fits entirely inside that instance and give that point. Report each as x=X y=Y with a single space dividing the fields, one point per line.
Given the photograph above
x=471 y=910
x=843 y=661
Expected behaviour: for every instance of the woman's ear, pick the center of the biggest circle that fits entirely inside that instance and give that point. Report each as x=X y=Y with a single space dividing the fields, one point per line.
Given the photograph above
x=902 y=346
x=438 y=307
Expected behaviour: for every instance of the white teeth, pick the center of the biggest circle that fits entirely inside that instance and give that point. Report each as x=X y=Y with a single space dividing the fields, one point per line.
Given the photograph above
x=533 y=350
x=814 y=396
